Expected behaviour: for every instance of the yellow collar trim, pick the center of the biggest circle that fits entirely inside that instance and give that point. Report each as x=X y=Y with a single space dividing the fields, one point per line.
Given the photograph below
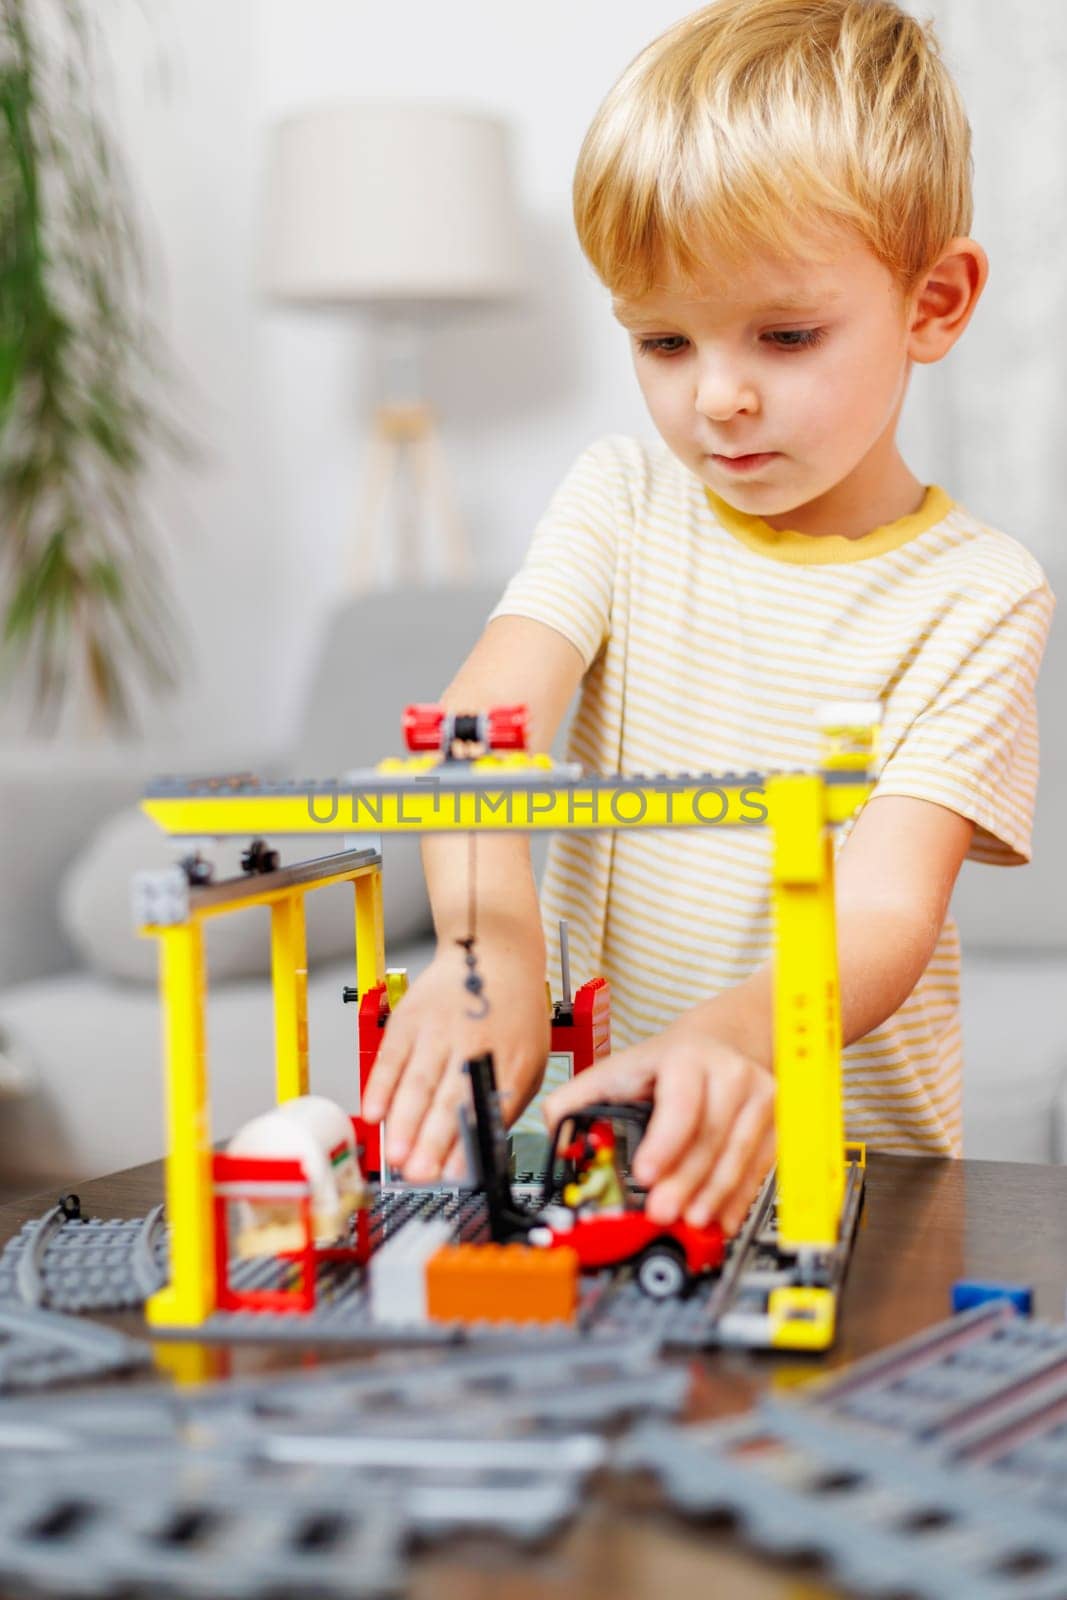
x=819 y=549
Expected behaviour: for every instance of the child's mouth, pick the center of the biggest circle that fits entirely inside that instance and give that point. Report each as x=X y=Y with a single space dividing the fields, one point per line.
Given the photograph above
x=746 y=463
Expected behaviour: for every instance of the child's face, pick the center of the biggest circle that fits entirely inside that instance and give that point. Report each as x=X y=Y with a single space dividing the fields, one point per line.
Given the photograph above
x=780 y=385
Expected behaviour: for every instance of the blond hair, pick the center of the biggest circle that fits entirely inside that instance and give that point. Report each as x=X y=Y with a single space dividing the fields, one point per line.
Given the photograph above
x=751 y=120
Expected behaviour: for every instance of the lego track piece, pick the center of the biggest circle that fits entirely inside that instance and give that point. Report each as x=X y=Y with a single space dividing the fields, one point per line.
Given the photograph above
x=38 y=1348
x=938 y=1467
x=987 y=1388
x=884 y=1520
x=527 y=1491
x=77 y=1264
x=477 y=1391
x=119 y=1533
x=943 y=1342
x=467 y=1394
x=29 y=1272
x=149 y=1252
x=312 y=1484
x=730 y=1309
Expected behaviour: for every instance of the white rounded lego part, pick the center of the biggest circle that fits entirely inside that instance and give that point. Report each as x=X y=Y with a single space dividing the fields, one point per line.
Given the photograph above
x=317 y=1133
x=848 y=714
x=560 y=1218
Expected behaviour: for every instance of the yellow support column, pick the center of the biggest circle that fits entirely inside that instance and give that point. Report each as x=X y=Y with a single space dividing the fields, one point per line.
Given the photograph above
x=807 y=1030
x=289 y=979
x=370 y=931
x=190 y=1296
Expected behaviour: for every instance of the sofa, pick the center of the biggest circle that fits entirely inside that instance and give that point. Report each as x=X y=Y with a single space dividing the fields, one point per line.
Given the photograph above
x=80 y=1080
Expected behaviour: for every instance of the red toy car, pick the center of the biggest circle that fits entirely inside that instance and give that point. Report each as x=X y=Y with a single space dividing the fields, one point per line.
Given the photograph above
x=667 y=1257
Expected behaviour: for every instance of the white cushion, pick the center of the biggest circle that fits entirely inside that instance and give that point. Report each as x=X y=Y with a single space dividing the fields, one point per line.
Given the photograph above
x=95 y=911
x=96 y=1101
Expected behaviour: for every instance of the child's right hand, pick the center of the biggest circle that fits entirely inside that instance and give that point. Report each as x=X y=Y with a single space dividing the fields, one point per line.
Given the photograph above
x=418 y=1080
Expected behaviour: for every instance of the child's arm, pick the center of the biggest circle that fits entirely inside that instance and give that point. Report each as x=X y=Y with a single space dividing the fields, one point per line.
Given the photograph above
x=710 y=1141
x=417 y=1079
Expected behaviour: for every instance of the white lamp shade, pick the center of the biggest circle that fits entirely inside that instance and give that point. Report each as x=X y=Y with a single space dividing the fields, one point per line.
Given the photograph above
x=390 y=202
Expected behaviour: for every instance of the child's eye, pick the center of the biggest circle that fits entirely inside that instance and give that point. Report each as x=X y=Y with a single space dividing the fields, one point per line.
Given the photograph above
x=668 y=346
x=796 y=338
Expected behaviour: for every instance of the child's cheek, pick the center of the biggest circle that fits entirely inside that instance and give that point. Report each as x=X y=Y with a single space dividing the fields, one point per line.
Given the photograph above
x=826 y=402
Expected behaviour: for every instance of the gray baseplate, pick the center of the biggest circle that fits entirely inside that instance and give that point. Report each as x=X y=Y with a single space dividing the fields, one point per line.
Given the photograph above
x=96 y=1266
x=935 y=1469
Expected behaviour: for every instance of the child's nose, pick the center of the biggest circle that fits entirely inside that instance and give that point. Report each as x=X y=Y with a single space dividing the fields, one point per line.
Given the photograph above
x=723 y=391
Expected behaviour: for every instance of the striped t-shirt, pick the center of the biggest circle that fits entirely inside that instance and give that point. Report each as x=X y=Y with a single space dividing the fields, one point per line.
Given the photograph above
x=709 y=640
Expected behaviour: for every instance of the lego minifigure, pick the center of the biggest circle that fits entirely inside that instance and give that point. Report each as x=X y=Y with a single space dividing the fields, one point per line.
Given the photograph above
x=598 y=1185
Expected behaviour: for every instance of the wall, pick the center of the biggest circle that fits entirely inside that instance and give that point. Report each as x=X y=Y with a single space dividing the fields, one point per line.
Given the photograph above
x=257 y=527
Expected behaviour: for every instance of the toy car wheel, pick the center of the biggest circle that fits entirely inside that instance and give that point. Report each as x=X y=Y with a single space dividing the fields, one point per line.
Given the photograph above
x=661 y=1272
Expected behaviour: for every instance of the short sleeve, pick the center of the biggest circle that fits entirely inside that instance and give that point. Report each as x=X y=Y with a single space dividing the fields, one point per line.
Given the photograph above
x=568 y=576
x=973 y=747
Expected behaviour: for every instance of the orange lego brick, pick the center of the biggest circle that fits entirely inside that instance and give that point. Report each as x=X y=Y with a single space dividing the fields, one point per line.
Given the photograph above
x=501 y=1283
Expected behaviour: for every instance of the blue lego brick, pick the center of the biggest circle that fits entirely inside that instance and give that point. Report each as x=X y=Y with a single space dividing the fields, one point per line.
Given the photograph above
x=969 y=1292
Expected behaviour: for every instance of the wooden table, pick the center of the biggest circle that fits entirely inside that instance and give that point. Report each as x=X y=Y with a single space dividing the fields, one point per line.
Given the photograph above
x=926 y=1223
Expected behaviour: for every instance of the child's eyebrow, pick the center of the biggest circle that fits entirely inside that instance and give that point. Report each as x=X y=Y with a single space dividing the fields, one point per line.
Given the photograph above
x=810 y=302
x=803 y=302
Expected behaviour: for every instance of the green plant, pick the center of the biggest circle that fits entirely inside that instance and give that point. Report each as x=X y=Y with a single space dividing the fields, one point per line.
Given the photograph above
x=84 y=602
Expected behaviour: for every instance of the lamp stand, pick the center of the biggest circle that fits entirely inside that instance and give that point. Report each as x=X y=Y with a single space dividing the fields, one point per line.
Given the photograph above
x=406 y=461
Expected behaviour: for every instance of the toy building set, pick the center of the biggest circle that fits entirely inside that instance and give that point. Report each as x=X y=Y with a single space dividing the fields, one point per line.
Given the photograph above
x=285 y=1232
x=935 y=1468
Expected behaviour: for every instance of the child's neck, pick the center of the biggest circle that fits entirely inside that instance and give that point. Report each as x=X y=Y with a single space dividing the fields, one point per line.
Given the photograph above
x=876 y=492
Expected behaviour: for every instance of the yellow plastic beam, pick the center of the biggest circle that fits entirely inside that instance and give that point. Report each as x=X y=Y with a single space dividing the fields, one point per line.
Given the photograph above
x=428 y=808
x=289 y=981
x=190 y=1295
x=807 y=1018
x=370 y=932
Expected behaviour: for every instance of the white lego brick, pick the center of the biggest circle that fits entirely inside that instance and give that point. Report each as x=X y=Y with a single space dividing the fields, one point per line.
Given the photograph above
x=397 y=1271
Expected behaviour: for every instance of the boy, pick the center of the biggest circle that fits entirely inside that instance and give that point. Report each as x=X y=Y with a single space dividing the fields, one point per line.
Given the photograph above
x=777 y=195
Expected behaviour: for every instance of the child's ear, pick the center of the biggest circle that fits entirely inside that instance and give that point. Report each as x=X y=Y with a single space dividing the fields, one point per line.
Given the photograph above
x=943 y=302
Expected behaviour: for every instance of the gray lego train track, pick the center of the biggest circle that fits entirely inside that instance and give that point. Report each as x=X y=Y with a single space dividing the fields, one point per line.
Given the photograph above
x=78 y=1266
x=730 y=1309
x=39 y=1348
x=476 y=1392
x=312 y=1484
x=937 y=1468
x=67 y=1264
x=199 y=1535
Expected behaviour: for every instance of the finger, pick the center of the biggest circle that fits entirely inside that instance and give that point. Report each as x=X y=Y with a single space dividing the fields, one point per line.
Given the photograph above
x=676 y=1122
x=413 y=1096
x=670 y=1194
x=626 y=1075
x=745 y=1138
x=735 y=1210
x=439 y=1129
x=455 y=1163
x=393 y=1053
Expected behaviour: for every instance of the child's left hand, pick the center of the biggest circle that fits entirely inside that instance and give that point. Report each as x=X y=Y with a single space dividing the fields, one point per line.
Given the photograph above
x=710 y=1139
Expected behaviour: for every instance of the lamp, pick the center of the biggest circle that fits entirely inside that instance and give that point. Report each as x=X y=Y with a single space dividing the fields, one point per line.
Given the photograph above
x=406 y=209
